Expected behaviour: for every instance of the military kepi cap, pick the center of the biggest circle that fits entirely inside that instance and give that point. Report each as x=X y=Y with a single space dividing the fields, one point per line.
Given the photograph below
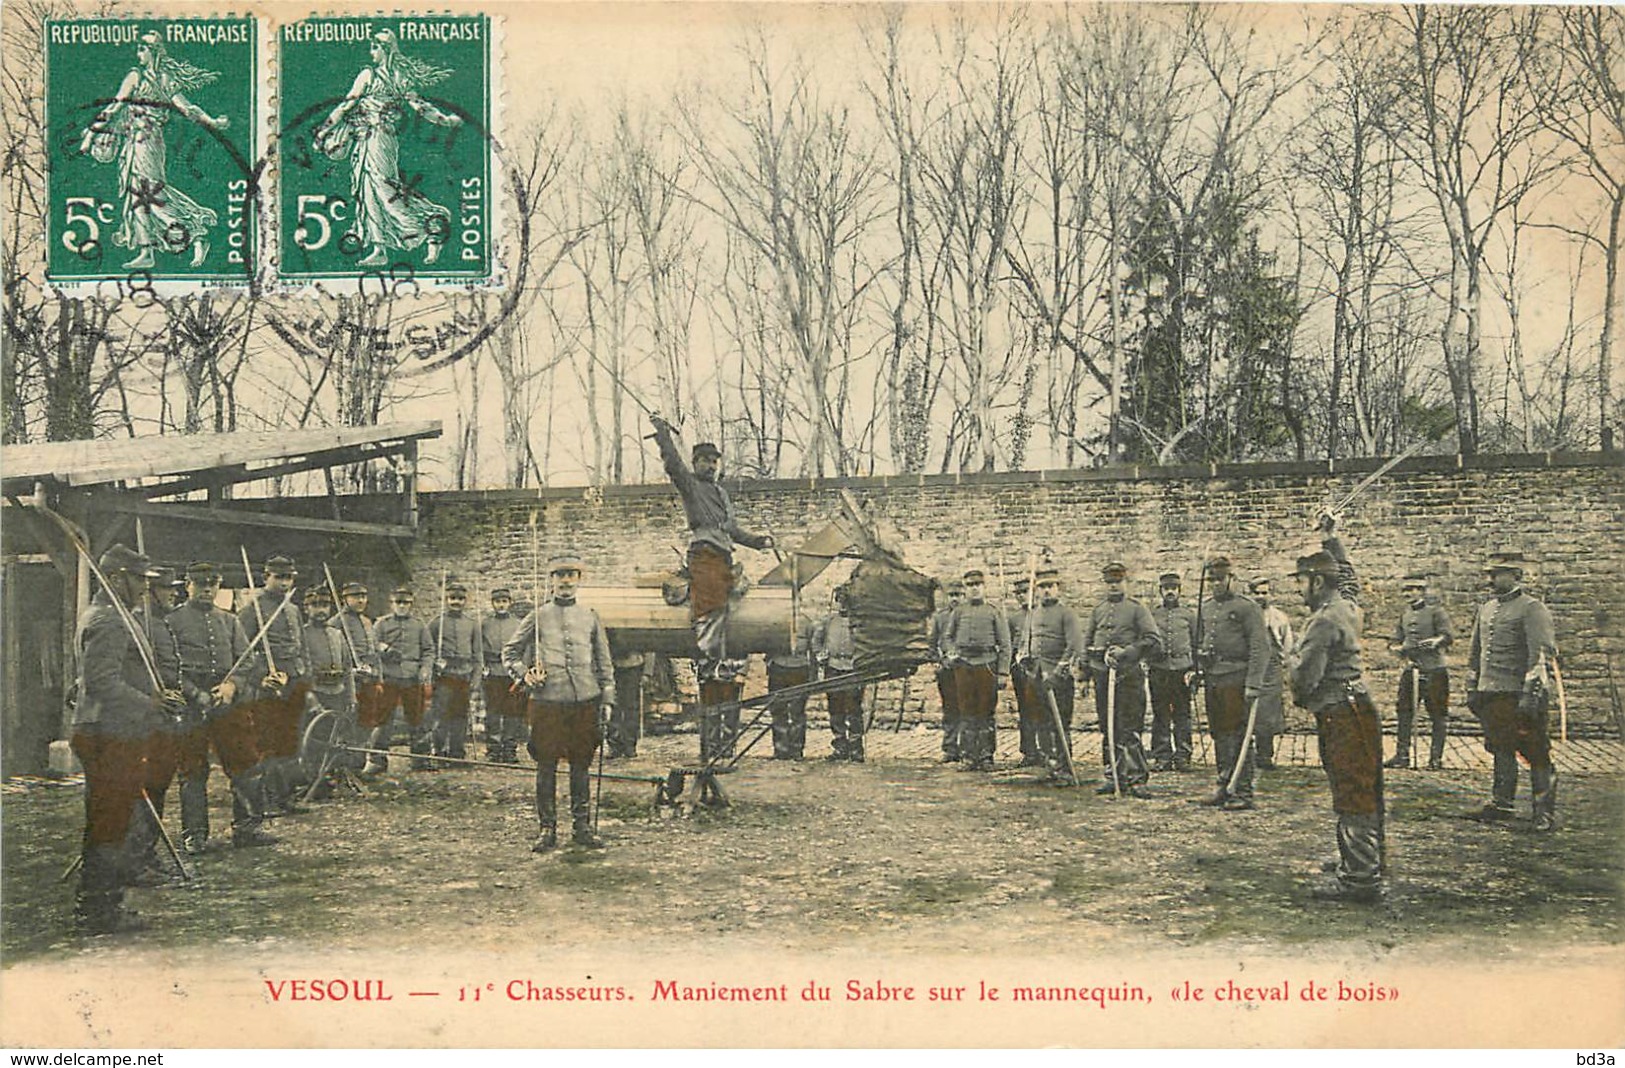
x=1257 y=584
x=1218 y=565
x=706 y=448
x=1318 y=563
x=975 y=574
x=563 y=562
x=1114 y=570
x=501 y=591
x=121 y=557
x=1049 y=574
x=352 y=589
x=403 y=591
x=318 y=594
x=1169 y=578
x=956 y=586
x=1505 y=561
x=202 y=571
x=280 y=565
x=455 y=587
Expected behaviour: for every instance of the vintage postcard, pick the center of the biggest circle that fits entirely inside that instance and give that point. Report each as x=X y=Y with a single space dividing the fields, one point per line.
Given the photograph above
x=712 y=525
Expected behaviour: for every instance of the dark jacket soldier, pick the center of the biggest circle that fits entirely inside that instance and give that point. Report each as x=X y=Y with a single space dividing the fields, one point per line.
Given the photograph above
x=1421 y=636
x=457 y=661
x=333 y=685
x=356 y=626
x=561 y=653
x=1015 y=618
x=1326 y=679
x=1171 y=669
x=1233 y=656
x=1507 y=686
x=282 y=681
x=976 y=645
x=952 y=594
x=1118 y=638
x=506 y=728
x=209 y=642
x=407 y=655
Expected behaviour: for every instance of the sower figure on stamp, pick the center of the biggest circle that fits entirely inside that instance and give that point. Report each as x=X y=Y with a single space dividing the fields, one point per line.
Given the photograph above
x=120 y=707
x=1027 y=722
x=1507 y=686
x=209 y=641
x=836 y=655
x=332 y=674
x=561 y=653
x=407 y=655
x=1047 y=651
x=283 y=681
x=1119 y=638
x=1171 y=669
x=626 y=720
x=1271 y=718
x=1233 y=656
x=953 y=594
x=456 y=662
x=1326 y=679
x=1422 y=635
x=713 y=529
x=371 y=713
x=976 y=646
x=505 y=726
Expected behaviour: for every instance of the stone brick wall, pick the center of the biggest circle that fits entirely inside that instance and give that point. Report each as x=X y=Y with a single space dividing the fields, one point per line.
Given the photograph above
x=1440 y=514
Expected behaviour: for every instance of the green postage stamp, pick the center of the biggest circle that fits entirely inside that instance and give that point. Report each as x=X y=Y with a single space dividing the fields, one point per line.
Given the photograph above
x=386 y=145
x=153 y=150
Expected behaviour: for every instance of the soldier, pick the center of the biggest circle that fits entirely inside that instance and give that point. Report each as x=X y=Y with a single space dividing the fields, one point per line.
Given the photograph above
x=835 y=654
x=332 y=674
x=1326 y=679
x=1015 y=618
x=505 y=729
x=162 y=756
x=626 y=720
x=1507 y=688
x=1271 y=718
x=1119 y=637
x=1047 y=651
x=1233 y=656
x=284 y=680
x=713 y=530
x=216 y=678
x=793 y=668
x=370 y=710
x=976 y=645
x=1420 y=637
x=119 y=708
x=953 y=594
x=407 y=655
x=456 y=662
x=561 y=653
x=1171 y=670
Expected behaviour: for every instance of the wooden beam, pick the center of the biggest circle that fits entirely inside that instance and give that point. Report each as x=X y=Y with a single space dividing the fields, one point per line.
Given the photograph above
x=219 y=477
x=234 y=517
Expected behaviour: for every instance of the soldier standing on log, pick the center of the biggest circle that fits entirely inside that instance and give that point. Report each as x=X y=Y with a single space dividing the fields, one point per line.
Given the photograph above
x=561 y=653
x=505 y=727
x=954 y=593
x=713 y=529
x=1422 y=635
x=976 y=645
x=1171 y=679
x=1119 y=637
x=1233 y=657
x=1507 y=684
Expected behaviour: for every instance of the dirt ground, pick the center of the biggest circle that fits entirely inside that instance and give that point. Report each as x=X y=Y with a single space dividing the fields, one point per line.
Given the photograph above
x=898 y=853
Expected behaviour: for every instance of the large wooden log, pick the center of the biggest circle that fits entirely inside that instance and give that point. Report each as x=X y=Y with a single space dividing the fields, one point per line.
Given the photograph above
x=640 y=620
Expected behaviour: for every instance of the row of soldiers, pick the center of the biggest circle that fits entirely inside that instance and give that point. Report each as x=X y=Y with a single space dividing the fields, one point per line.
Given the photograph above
x=166 y=677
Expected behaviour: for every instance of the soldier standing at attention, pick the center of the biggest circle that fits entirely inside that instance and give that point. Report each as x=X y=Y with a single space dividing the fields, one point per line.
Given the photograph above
x=1326 y=679
x=1422 y=635
x=1171 y=670
x=976 y=645
x=1233 y=656
x=561 y=653
x=713 y=529
x=119 y=708
x=505 y=729
x=1507 y=684
x=1119 y=637
x=279 y=700
x=835 y=654
x=407 y=656
x=162 y=755
x=1271 y=719
x=953 y=593
x=1051 y=647
x=789 y=716
x=457 y=661
x=210 y=641
x=1015 y=618
x=332 y=675
x=370 y=710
